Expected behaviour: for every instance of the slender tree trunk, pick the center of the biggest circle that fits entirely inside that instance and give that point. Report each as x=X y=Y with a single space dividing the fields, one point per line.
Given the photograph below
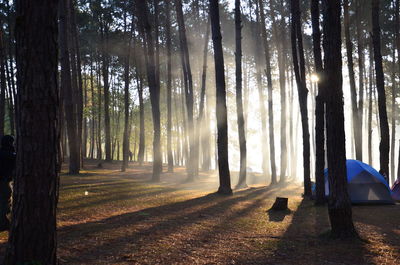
x=299 y=69
x=371 y=65
x=77 y=78
x=350 y=64
x=239 y=103
x=142 y=135
x=99 y=142
x=319 y=108
x=67 y=90
x=153 y=87
x=3 y=85
x=169 y=88
x=393 y=122
x=380 y=85
x=36 y=181
x=202 y=120
x=192 y=167
x=280 y=42
x=360 y=51
x=269 y=80
x=125 y=144
x=106 y=87
x=266 y=166
x=339 y=206
x=397 y=35
x=93 y=110
x=221 y=111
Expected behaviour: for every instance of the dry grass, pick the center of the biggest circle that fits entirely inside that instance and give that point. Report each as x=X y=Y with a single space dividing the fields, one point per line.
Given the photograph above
x=109 y=217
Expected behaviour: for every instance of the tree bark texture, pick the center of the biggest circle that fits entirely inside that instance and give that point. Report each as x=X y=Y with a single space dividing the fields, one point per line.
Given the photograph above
x=269 y=81
x=350 y=64
x=339 y=207
x=299 y=69
x=221 y=111
x=239 y=100
x=319 y=107
x=32 y=236
x=153 y=86
x=380 y=85
x=192 y=167
x=70 y=109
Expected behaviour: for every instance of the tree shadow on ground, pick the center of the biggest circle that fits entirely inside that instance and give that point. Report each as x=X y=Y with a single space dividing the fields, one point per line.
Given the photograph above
x=277 y=216
x=306 y=241
x=141 y=229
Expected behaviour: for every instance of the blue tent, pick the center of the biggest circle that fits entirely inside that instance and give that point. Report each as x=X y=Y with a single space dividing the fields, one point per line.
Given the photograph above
x=365 y=184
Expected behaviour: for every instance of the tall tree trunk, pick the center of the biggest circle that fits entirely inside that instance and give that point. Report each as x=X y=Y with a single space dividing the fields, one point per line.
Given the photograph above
x=221 y=111
x=78 y=100
x=125 y=143
x=350 y=64
x=266 y=166
x=319 y=107
x=299 y=69
x=169 y=87
x=33 y=231
x=281 y=52
x=192 y=167
x=361 y=65
x=93 y=109
x=142 y=135
x=3 y=85
x=239 y=103
x=339 y=206
x=67 y=90
x=371 y=65
x=269 y=80
x=380 y=85
x=393 y=119
x=99 y=142
x=106 y=87
x=397 y=35
x=202 y=120
x=153 y=87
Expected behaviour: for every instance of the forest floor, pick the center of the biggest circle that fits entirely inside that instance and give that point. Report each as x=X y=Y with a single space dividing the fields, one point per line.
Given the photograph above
x=110 y=217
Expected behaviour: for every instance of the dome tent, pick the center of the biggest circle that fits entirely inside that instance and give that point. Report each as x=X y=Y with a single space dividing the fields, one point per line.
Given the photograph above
x=365 y=184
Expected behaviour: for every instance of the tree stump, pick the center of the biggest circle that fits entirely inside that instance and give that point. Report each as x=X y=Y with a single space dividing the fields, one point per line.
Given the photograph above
x=280 y=204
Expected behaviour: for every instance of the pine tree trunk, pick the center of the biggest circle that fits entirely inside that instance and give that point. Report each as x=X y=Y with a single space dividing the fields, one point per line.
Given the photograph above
x=221 y=111
x=153 y=87
x=339 y=206
x=93 y=110
x=239 y=103
x=371 y=65
x=67 y=90
x=3 y=85
x=299 y=69
x=266 y=166
x=361 y=65
x=393 y=119
x=380 y=85
x=169 y=88
x=319 y=108
x=106 y=87
x=192 y=167
x=33 y=231
x=142 y=135
x=350 y=64
x=125 y=143
x=270 y=101
x=202 y=120
x=280 y=43
x=397 y=35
